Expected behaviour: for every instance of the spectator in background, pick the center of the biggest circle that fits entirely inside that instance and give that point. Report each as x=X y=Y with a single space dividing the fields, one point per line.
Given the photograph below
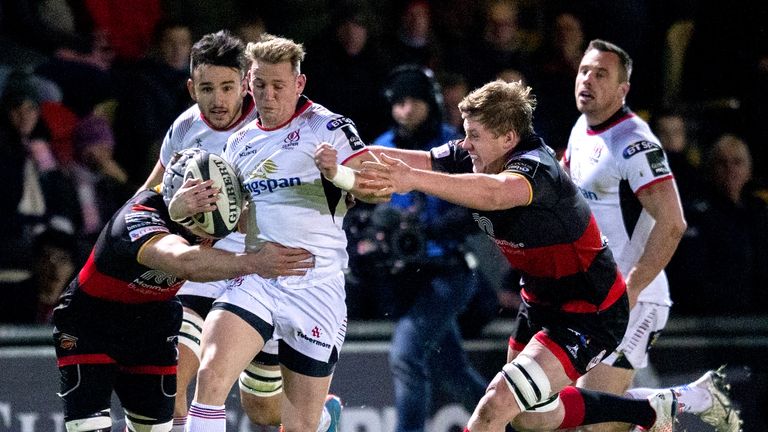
x=128 y=26
x=671 y=128
x=102 y=184
x=727 y=242
x=414 y=41
x=250 y=29
x=430 y=281
x=38 y=195
x=351 y=69
x=500 y=45
x=454 y=87
x=151 y=96
x=82 y=69
x=55 y=253
x=556 y=64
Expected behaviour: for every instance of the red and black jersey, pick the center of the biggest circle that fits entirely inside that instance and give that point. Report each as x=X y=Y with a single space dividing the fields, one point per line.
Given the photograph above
x=554 y=241
x=113 y=272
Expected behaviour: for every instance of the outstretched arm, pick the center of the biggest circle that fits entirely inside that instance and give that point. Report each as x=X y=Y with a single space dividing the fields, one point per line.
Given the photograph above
x=476 y=191
x=346 y=176
x=173 y=254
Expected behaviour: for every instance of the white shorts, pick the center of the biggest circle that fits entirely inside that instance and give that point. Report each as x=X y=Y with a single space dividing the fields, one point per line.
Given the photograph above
x=311 y=320
x=646 y=321
x=234 y=242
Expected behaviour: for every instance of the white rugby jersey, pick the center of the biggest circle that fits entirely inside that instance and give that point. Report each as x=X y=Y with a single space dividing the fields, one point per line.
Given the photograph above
x=294 y=206
x=610 y=164
x=191 y=130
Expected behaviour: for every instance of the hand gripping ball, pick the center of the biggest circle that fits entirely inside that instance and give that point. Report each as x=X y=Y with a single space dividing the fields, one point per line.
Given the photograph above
x=199 y=164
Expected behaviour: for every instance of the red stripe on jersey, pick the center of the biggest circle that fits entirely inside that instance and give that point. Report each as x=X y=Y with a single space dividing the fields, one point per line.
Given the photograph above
x=559 y=352
x=248 y=106
x=602 y=129
x=99 y=285
x=365 y=150
x=618 y=289
x=558 y=260
x=581 y=306
x=141 y=207
x=85 y=359
x=149 y=370
x=658 y=180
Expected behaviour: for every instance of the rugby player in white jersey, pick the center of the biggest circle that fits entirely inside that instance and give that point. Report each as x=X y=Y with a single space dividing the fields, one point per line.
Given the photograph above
x=223 y=106
x=293 y=205
x=620 y=168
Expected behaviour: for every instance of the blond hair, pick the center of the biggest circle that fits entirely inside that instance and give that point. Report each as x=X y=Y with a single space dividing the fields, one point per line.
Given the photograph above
x=275 y=49
x=501 y=107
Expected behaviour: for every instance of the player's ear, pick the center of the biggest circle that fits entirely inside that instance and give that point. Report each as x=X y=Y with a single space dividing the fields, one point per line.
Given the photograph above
x=191 y=89
x=301 y=82
x=624 y=88
x=511 y=139
x=244 y=86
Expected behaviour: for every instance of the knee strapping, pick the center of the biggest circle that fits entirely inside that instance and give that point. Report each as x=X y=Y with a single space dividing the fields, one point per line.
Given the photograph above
x=191 y=332
x=139 y=423
x=261 y=382
x=98 y=422
x=530 y=385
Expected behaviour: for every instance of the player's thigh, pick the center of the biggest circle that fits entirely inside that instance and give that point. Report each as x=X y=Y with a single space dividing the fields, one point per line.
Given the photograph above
x=86 y=389
x=303 y=399
x=229 y=344
x=147 y=396
x=607 y=379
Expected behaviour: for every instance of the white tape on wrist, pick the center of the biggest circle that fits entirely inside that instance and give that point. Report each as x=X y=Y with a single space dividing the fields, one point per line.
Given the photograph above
x=344 y=178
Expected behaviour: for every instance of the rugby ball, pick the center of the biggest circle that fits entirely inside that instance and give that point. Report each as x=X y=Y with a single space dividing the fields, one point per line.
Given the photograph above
x=222 y=221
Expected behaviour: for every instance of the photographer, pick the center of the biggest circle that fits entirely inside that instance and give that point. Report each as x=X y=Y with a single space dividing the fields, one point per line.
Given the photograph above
x=419 y=240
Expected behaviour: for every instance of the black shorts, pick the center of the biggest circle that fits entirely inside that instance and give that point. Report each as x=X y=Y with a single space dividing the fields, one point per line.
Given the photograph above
x=579 y=340
x=129 y=348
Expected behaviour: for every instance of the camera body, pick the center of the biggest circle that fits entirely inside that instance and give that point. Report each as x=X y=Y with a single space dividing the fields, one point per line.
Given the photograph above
x=386 y=239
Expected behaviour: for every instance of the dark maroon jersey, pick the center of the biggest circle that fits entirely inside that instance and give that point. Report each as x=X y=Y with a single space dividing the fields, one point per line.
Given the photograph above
x=113 y=272
x=554 y=241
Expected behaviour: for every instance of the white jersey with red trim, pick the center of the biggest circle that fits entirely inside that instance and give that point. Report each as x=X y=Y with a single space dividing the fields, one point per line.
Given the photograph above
x=610 y=165
x=191 y=130
x=291 y=202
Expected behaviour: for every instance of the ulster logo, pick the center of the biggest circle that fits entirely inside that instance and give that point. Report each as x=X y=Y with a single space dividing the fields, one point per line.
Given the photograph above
x=292 y=140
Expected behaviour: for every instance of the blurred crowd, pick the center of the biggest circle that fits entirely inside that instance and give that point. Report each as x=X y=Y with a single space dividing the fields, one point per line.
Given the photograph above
x=88 y=89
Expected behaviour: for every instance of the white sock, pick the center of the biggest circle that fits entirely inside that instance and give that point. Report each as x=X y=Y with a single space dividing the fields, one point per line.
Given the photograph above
x=178 y=424
x=695 y=400
x=206 y=418
x=640 y=392
x=325 y=420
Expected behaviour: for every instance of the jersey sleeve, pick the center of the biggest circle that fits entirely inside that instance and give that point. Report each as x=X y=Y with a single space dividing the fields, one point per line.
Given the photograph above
x=139 y=221
x=451 y=158
x=538 y=174
x=168 y=147
x=642 y=163
x=342 y=134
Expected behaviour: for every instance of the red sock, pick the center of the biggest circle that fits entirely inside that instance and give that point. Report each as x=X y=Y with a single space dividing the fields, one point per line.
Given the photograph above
x=573 y=403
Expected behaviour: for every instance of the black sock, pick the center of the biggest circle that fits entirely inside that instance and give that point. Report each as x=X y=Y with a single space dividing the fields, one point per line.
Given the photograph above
x=585 y=407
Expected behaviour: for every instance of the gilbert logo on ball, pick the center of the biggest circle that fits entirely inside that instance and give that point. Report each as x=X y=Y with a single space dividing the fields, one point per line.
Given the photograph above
x=223 y=220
